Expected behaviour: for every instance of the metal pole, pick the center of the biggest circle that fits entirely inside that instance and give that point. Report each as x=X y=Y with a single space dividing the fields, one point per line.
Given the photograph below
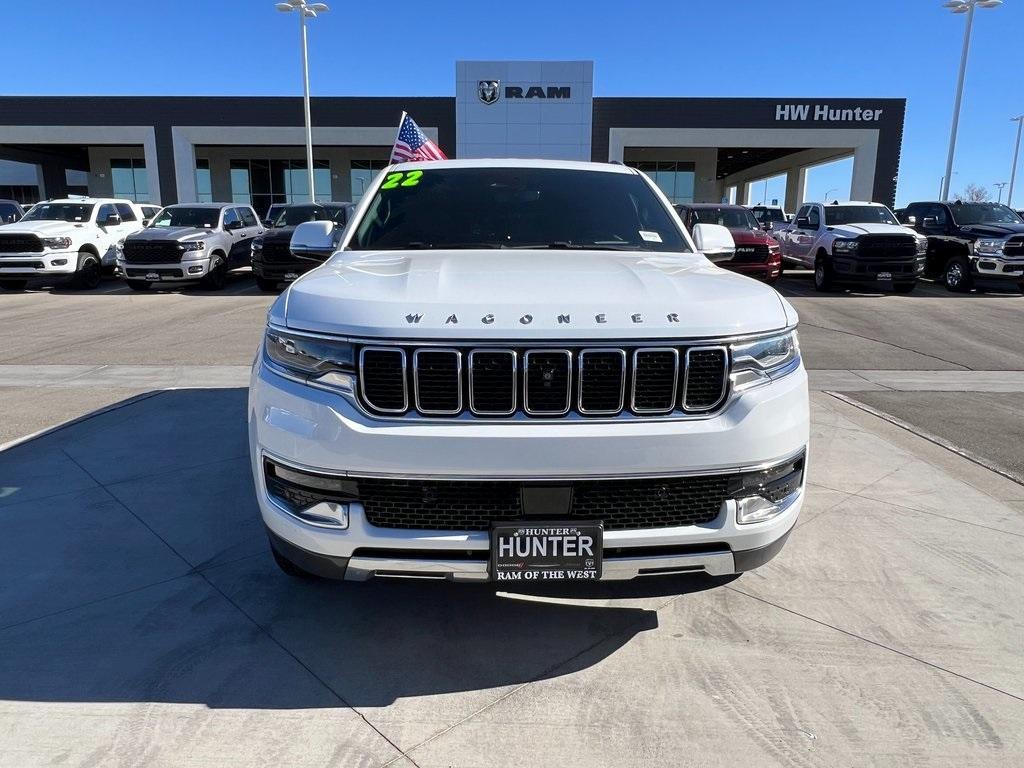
x=956 y=104
x=305 y=90
x=999 y=185
x=941 y=180
x=1016 y=151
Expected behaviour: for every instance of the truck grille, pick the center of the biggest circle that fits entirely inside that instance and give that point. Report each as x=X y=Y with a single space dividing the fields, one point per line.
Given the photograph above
x=750 y=254
x=543 y=382
x=152 y=251
x=277 y=250
x=886 y=246
x=20 y=244
x=1014 y=247
x=451 y=505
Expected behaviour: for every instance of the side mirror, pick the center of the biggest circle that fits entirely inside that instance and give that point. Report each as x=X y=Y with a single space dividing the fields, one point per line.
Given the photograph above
x=313 y=241
x=930 y=221
x=111 y=221
x=714 y=241
x=803 y=223
x=911 y=221
x=145 y=222
x=233 y=225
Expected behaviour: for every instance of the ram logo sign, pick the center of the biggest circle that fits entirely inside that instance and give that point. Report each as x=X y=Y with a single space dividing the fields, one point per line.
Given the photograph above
x=489 y=90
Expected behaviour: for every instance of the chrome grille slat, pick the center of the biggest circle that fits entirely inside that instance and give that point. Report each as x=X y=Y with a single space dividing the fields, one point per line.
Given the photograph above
x=461 y=381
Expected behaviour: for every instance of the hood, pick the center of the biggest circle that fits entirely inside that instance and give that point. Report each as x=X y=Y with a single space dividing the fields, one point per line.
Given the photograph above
x=752 y=237
x=278 y=233
x=181 y=234
x=852 y=230
x=993 y=230
x=42 y=228
x=529 y=294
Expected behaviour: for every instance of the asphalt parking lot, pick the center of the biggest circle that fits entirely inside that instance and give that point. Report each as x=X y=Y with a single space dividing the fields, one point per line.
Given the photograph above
x=150 y=626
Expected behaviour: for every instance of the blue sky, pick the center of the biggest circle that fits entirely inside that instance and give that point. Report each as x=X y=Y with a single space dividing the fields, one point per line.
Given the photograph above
x=835 y=48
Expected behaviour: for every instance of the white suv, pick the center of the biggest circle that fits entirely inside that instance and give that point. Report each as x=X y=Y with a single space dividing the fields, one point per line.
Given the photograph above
x=73 y=238
x=520 y=370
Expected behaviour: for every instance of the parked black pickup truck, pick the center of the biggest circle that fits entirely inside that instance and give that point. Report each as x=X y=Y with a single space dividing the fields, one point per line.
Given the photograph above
x=970 y=242
x=272 y=259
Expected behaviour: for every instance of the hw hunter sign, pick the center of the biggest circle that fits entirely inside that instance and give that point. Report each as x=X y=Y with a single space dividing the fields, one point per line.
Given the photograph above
x=488 y=91
x=823 y=113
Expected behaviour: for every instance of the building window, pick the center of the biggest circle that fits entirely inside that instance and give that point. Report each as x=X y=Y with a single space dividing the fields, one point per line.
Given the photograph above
x=676 y=180
x=261 y=183
x=363 y=172
x=129 y=179
x=204 y=185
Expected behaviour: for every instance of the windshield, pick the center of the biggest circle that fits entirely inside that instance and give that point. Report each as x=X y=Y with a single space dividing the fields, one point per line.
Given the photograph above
x=769 y=214
x=516 y=208
x=836 y=215
x=733 y=218
x=195 y=218
x=294 y=215
x=983 y=213
x=60 y=212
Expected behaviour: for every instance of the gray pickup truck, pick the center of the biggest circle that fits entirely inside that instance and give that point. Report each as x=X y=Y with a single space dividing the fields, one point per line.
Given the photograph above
x=193 y=242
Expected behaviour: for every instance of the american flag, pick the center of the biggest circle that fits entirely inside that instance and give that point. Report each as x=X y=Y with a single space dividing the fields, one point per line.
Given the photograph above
x=412 y=144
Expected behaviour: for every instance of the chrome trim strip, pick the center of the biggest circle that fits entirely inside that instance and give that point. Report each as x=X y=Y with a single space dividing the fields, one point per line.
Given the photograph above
x=622 y=381
x=416 y=380
x=526 y=382
x=675 y=380
x=725 y=379
x=405 y=380
x=729 y=470
x=515 y=380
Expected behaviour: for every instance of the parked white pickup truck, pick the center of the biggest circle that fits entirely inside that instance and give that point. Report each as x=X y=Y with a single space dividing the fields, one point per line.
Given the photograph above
x=525 y=370
x=854 y=243
x=74 y=239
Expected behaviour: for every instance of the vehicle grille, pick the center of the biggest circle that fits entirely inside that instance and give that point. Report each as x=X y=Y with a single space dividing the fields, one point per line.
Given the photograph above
x=750 y=254
x=543 y=382
x=277 y=249
x=443 y=505
x=1014 y=247
x=20 y=244
x=886 y=246
x=152 y=251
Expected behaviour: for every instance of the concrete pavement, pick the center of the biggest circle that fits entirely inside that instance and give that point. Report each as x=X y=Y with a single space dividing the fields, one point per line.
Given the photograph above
x=150 y=625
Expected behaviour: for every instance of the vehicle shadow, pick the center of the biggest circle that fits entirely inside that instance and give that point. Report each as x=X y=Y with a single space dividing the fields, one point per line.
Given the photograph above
x=151 y=581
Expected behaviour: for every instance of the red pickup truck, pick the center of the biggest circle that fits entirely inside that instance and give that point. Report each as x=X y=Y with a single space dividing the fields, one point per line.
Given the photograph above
x=757 y=254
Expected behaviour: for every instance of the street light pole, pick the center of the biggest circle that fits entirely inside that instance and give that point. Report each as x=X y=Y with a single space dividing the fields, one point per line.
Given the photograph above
x=999 y=185
x=961 y=6
x=1016 y=151
x=311 y=10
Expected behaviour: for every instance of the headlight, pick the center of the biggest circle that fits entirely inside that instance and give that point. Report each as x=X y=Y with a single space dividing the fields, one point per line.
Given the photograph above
x=195 y=245
x=758 y=362
x=767 y=493
x=119 y=246
x=844 y=246
x=325 y=362
x=56 y=242
x=257 y=245
x=922 y=246
x=990 y=247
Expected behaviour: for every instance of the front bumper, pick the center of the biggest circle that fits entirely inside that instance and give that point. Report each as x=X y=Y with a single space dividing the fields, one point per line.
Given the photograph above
x=763 y=271
x=998 y=267
x=323 y=432
x=853 y=270
x=26 y=265
x=283 y=272
x=172 y=271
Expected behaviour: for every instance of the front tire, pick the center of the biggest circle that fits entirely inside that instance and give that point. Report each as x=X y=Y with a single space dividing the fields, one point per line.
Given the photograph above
x=215 y=279
x=13 y=285
x=823 y=280
x=138 y=285
x=957 y=275
x=265 y=284
x=89 y=273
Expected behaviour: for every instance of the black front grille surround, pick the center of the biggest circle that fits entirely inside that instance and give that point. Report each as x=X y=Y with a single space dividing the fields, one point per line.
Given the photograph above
x=277 y=250
x=543 y=382
x=14 y=243
x=751 y=254
x=152 y=251
x=1014 y=247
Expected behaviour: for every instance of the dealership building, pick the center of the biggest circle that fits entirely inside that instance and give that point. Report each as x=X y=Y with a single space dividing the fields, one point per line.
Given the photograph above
x=251 y=149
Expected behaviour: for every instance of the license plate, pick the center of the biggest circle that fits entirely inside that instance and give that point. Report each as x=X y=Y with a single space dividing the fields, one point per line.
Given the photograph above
x=885 y=275
x=546 y=551
x=152 y=276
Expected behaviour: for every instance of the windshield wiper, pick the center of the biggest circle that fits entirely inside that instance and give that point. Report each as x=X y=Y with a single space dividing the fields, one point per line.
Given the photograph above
x=567 y=245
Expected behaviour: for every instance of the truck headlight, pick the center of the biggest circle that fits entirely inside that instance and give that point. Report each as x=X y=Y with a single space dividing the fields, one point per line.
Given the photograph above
x=989 y=247
x=844 y=246
x=257 y=245
x=763 y=360
x=323 y=362
x=922 y=246
x=56 y=242
x=764 y=494
x=195 y=245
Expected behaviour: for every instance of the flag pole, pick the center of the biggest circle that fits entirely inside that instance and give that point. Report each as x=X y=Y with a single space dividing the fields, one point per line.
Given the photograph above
x=398 y=133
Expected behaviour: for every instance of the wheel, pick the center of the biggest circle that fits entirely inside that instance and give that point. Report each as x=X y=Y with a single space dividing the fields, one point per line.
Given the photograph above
x=290 y=568
x=958 y=275
x=138 y=285
x=823 y=275
x=1020 y=287
x=904 y=287
x=266 y=284
x=13 y=285
x=89 y=272
x=216 y=277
